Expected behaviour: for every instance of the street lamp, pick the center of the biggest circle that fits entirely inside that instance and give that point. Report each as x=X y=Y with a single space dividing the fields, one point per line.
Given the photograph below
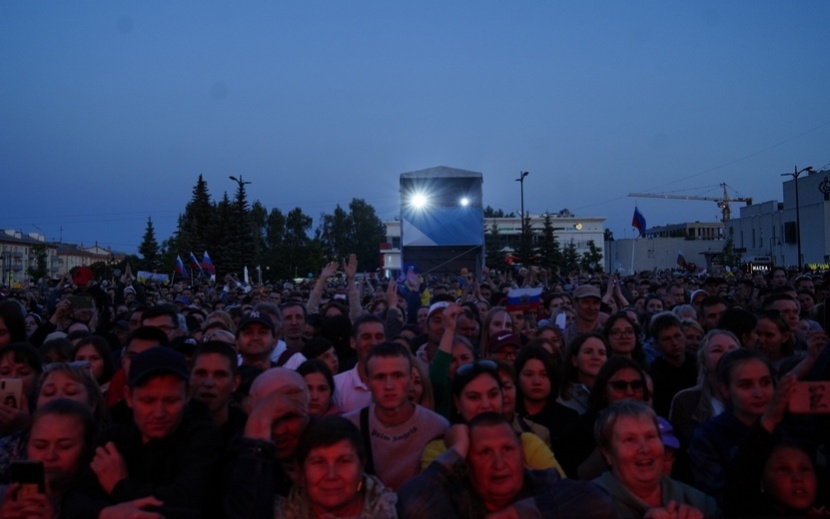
x=238 y=181
x=795 y=175
x=522 y=245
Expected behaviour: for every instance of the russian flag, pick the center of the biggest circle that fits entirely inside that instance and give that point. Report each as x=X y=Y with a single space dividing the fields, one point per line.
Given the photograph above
x=194 y=263
x=208 y=265
x=639 y=221
x=179 y=267
x=523 y=299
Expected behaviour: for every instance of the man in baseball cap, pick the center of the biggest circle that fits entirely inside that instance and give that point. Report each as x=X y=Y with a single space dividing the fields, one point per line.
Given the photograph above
x=169 y=452
x=587 y=300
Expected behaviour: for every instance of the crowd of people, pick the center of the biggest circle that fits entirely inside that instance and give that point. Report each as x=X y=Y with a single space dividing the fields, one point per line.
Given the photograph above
x=663 y=395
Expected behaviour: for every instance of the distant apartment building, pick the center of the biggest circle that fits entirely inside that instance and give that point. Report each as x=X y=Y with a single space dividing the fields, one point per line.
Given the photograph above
x=18 y=253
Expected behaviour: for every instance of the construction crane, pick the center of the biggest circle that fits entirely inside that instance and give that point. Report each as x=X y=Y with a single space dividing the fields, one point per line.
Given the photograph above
x=723 y=202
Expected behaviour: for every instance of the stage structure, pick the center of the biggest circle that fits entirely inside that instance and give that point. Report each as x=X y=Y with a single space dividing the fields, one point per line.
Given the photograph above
x=442 y=220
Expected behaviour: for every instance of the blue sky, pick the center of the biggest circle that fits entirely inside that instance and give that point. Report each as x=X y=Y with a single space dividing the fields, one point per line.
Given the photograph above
x=109 y=111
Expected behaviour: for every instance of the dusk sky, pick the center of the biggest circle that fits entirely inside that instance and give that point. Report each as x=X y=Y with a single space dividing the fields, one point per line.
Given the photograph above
x=109 y=111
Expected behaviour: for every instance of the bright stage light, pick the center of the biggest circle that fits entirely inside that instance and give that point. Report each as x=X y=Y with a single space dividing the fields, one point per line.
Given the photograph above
x=465 y=202
x=418 y=200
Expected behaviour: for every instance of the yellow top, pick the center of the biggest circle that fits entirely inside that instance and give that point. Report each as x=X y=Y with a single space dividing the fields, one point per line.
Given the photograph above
x=538 y=456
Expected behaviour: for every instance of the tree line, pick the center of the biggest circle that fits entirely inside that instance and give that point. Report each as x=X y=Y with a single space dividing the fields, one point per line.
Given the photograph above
x=237 y=233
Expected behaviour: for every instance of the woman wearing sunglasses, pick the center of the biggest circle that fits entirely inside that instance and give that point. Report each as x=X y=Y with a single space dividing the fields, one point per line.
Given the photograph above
x=620 y=378
x=476 y=389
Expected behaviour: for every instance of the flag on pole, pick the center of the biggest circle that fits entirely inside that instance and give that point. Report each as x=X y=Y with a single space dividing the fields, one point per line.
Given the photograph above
x=523 y=299
x=639 y=221
x=194 y=263
x=208 y=265
x=681 y=260
x=179 y=267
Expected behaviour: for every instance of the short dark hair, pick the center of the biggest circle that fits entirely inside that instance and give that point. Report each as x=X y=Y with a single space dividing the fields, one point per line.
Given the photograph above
x=220 y=348
x=661 y=322
x=733 y=358
x=363 y=319
x=739 y=321
x=102 y=347
x=147 y=333
x=291 y=304
x=316 y=346
x=12 y=316
x=327 y=431
x=491 y=419
x=317 y=366
x=161 y=310
x=389 y=349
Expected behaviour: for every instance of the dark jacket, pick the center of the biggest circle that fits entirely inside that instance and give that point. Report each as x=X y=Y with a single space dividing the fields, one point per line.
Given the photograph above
x=177 y=469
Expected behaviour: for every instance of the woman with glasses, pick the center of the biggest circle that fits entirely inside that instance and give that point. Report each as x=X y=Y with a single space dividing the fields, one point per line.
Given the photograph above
x=622 y=334
x=477 y=389
x=619 y=379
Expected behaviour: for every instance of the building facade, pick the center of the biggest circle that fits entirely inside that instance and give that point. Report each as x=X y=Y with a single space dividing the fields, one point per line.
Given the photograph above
x=769 y=229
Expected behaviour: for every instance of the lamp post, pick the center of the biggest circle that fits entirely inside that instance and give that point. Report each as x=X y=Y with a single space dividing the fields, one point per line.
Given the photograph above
x=522 y=244
x=795 y=174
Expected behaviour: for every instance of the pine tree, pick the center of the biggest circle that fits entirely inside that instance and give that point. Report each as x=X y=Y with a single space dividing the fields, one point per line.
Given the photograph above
x=494 y=248
x=592 y=259
x=368 y=233
x=570 y=258
x=548 y=251
x=149 y=248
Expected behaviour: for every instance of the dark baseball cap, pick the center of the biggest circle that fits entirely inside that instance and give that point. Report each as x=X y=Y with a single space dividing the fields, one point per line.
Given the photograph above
x=256 y=317
x=504 y=339
x=160 y=360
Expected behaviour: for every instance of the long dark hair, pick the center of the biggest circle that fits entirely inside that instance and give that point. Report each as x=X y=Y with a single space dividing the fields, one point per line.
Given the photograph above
x=13 y=318
x=551 y=368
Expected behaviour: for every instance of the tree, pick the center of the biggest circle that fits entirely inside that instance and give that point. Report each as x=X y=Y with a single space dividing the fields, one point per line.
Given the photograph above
x=526 y=242
x=221 y=252
x=592 y=259
x=368 y=232
x=609 y=235
x=39 y=268
x=297 y=243
x=489 y=212
x=729 y=256
x=196 y=224
x=149 y=248
x=494 y=248
x=570 y=258
x=548 y=251
x=336 y=233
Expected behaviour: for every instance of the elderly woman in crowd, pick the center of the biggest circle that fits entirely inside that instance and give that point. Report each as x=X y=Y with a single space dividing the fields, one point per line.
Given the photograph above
x=629 y=437
x=332 y=484
x=477 y=389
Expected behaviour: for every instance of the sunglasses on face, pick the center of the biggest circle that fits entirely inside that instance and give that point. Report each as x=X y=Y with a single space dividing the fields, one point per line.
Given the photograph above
x=623 y=385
